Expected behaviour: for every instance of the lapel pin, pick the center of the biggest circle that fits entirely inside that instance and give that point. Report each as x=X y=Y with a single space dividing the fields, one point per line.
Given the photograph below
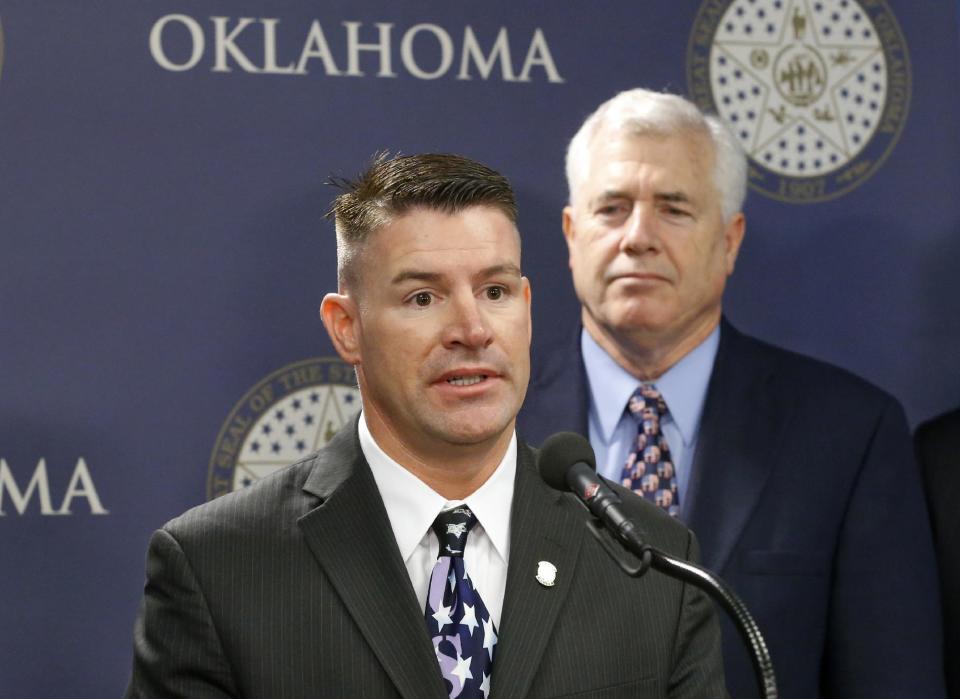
x=546 y=573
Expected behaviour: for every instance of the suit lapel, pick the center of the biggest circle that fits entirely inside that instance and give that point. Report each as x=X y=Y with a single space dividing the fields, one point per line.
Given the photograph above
x=541 y=529
x=351 y=537
x=741 y=427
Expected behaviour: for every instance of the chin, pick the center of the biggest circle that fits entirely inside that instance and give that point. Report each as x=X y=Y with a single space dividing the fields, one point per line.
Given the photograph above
x=631 y=318
x=468 y=432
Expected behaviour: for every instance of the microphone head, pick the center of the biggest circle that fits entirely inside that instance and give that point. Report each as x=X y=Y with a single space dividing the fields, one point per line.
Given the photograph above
x=559 y=452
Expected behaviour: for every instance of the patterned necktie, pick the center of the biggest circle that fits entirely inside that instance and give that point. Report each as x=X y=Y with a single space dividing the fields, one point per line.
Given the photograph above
x=458 y=622
x=649 y=470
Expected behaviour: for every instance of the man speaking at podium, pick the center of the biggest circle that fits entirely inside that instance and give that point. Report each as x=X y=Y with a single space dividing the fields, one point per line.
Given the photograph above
x=419 y=554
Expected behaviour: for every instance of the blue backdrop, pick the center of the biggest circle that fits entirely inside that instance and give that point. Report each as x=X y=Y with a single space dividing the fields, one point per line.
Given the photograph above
x=163 y=250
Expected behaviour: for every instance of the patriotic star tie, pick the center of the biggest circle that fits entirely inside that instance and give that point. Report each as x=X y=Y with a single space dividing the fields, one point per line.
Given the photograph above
x=649 y=469
x=458 y=622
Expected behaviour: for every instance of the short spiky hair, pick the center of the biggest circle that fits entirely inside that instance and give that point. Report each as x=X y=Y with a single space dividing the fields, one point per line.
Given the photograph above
x=393 y=186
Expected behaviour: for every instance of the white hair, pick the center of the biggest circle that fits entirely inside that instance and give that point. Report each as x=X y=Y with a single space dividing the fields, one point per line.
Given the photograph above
x=639 y=112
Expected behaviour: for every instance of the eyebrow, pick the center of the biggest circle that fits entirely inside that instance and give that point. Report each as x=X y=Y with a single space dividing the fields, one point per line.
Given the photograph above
x=676 y=197
x=610 y=194
x=406 y=275
x=415 y=275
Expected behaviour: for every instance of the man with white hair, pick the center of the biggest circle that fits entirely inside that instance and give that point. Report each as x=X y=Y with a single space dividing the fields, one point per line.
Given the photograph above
x=797 y=476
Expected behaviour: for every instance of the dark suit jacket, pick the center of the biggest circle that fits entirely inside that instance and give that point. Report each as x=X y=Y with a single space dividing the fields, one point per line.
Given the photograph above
x=938 y=448
x=295 y=587
x=805 y=497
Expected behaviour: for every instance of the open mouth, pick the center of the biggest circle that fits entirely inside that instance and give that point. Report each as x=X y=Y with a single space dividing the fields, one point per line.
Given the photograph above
x=466 y=380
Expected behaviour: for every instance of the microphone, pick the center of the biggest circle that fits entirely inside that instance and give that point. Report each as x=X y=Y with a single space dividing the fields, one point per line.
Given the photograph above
x=567 y=462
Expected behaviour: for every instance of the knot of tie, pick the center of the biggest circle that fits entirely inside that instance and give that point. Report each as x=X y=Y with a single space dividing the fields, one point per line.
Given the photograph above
x=451 y=528
x=646 y=405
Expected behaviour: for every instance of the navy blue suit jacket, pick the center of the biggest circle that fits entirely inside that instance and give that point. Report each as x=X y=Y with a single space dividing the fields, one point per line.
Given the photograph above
x=806 y=498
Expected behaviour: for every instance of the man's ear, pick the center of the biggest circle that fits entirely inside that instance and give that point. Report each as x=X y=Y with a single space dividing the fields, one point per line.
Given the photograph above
x=733 y=238
x=341 y=318
x=528 y=297
x=567 y=223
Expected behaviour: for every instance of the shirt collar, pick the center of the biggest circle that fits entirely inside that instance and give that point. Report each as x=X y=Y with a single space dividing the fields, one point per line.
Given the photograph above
x=412 y=505
x=683 y=386
x=610 y=384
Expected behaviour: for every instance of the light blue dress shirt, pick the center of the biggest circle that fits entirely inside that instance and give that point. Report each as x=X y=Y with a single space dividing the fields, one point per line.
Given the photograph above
x=683 y=387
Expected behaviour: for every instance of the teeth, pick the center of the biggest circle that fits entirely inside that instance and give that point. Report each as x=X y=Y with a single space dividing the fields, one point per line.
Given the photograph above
x=465 y=380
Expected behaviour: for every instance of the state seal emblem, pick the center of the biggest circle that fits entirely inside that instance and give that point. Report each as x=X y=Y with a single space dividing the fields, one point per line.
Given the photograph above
x=817 y=91
x=289 y=414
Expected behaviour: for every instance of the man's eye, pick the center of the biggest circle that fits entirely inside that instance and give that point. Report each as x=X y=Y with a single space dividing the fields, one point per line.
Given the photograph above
x=495 y=293
x=423 y=298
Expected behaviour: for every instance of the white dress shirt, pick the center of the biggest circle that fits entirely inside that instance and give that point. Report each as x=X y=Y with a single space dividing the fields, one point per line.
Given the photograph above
x=412 y=506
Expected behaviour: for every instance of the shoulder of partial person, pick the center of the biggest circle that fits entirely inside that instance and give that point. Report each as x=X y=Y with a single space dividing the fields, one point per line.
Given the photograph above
x=941 y=432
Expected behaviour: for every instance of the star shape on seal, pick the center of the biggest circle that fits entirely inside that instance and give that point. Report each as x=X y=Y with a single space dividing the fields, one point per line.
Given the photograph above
x=800 y=133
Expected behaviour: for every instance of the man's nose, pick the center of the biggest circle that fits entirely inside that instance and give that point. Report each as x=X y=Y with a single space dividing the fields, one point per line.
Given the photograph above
x=467 y=325
x=639 y=233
